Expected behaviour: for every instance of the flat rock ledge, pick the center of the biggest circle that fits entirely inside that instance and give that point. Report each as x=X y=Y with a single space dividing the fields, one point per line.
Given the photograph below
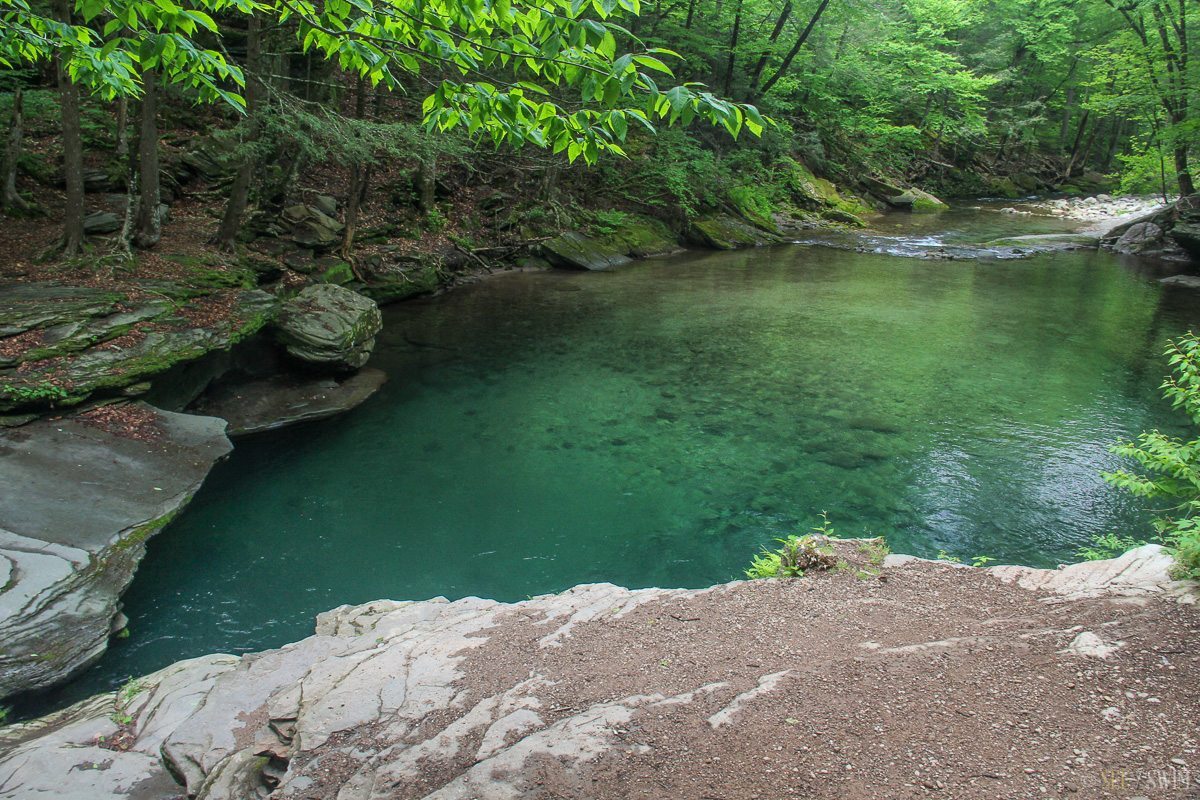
x=81 y=495
x=284 y=400
x=910 y=679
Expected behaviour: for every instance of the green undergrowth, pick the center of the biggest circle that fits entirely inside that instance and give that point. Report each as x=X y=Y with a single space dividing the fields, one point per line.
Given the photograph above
x=1165 y=469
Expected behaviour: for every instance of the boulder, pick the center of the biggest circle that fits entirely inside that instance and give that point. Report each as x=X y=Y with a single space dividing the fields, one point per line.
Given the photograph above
x=637 y=237
x=277 y=402
x=310 y=227
x=64 y=565
x=575 y=250
x=1139 y=238
x=391 y=277
x=329 y=326
x=101 y=222
x=1187 y=236
x=916 y=200
x=326 y=204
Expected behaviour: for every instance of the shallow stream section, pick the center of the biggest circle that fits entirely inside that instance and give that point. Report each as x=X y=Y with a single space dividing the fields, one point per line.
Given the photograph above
x=655 y=425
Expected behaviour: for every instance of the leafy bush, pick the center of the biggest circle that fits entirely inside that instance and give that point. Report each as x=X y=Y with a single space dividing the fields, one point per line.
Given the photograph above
x=1169 y=467
x=797 y=554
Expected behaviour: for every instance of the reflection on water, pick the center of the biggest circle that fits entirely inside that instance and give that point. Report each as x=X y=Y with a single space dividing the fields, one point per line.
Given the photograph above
x=655 y=425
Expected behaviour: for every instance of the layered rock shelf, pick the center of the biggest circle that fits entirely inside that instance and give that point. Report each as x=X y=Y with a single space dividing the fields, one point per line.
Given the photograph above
x=81 y=496
x=916 y=679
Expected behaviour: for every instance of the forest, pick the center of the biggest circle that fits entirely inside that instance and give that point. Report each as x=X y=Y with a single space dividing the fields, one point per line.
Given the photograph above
x=669 y=109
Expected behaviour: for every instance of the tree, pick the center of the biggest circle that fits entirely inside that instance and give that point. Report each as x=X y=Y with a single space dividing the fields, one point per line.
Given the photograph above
x=1162 y=45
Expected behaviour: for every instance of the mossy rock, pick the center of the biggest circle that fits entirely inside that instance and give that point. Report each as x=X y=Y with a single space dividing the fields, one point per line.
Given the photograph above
x=645 y=237
x=635 y=237
x=575 y=250
x=329 y=326
x=842 y=217
x=1003 y=187
x=389 y=282
x=69 y=378
x=918 y=201
x=1027 y=182
x=724 y=232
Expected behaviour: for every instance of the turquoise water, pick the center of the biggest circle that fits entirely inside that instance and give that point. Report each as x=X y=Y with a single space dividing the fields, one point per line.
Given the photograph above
x=656 y=424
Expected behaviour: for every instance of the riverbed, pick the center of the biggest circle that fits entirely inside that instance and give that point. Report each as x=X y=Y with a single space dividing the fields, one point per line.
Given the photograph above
x=655 y=425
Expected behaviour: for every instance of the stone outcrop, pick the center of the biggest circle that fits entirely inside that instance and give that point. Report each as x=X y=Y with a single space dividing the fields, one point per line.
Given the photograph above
x=835 y=685
x=267 y=404
x=638 y=238
x=328 y=326
x=1171 y=233
x=309 y=226
x=903 y=198
x=59 y=345
x=81 y=496
x=725 y=232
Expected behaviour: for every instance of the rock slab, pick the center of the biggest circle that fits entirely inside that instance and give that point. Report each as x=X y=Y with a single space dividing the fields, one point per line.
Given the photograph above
x=81 y=495
x=278 y=402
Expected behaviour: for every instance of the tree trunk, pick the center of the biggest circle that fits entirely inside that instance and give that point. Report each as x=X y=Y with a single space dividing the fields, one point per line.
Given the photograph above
x=239 y=193
x=733 y=43
x=791 y=54
x=358 y=179
x=427 y=184
x=1182 y=174
x=1110 y=152
x=122 y=148
x=12 y=154
x=756 y=75
x=1064 y=128
x=1083 y=123
x=72 y=144
x=147 y=226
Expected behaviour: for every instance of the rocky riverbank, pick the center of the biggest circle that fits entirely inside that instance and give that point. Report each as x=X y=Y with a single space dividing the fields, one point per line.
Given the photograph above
x=905 y=679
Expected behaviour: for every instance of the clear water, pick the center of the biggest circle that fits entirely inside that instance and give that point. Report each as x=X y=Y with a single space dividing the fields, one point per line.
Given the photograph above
x=655 y=425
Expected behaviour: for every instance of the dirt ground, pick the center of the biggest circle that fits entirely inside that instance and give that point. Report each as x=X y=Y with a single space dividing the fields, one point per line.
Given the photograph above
x=929 y=681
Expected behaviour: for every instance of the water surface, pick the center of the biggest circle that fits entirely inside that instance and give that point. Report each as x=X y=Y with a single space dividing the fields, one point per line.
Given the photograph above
x=656 y=424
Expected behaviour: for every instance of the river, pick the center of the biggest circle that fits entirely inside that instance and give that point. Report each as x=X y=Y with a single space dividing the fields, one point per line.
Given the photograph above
x=657 y=424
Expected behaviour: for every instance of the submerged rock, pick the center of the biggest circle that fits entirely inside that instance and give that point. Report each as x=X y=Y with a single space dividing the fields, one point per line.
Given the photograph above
x=1050 y=241
x=329 y=326
x=1184 y=281
x=81 y=497
x=584 y=693
x=277 y=402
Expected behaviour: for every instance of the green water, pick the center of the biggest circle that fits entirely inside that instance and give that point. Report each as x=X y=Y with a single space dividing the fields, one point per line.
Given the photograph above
x=656 y=424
